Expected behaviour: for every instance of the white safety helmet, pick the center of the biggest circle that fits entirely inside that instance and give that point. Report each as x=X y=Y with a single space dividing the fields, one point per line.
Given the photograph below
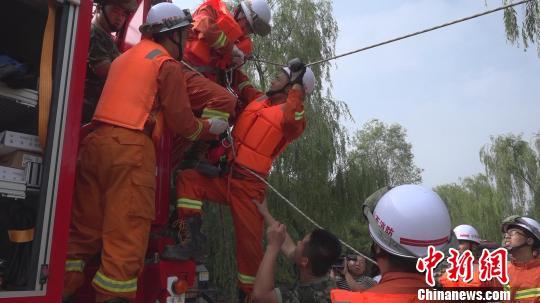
x=525 y=223
x=308 y=80
x=407 y=219
x=258 y=15
x=165 y=17
x=466 y=232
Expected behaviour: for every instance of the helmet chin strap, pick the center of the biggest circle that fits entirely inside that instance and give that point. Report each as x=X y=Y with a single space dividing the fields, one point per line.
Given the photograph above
x=177 y=43
x=271 y=93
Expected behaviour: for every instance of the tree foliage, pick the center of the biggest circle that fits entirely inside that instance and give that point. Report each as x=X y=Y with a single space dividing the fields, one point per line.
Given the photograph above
x=315 y=172
x=476 y=202
x=513 y=166
x=305 y=172
x=529 y=31
x=509 y=186
x=384 y=148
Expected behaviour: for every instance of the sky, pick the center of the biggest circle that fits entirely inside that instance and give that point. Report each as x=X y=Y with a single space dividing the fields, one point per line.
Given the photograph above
x=451 y=89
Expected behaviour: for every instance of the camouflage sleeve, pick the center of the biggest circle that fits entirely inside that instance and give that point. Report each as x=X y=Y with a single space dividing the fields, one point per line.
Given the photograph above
x=286 y=295
x=102 y=48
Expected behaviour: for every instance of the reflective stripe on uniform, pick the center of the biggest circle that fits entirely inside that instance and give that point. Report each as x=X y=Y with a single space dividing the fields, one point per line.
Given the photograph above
x=527 y=293
x=212 y=113
x=153 y=54
x=112 y=285
x=220 y=41
x=299 y=115
x=197 y=132
x=242 y=85
x=75 y=265
x=189 y=203
x=245 y=279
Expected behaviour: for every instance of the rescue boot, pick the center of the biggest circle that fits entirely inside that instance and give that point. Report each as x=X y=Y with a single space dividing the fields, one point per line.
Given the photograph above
x=189 y=248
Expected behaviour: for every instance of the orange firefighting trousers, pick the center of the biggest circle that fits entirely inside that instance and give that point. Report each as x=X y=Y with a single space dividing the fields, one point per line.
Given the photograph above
x=113 y=207
x=236 y=191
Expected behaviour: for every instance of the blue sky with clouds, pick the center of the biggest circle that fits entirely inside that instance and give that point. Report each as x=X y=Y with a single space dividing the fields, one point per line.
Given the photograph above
x=451 y=89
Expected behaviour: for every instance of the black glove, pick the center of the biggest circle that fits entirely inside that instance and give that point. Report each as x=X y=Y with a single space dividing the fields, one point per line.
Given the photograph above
x=298 y=69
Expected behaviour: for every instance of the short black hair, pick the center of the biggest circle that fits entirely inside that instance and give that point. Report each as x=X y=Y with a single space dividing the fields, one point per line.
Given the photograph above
x=397 y=263
x=402 y=264
x=322 y=250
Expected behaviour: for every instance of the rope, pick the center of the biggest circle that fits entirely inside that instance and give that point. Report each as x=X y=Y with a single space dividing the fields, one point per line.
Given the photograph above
x=421 y=32
x=302 y=213
x=401 y=37
x=231 y=140
x=266 y=61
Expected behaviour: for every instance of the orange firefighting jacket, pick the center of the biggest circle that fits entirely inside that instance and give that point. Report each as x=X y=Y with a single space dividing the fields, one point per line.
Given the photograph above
x=524 y=283
x=344 y=296
x=264 y=130
x=475 y=282
x=130 y=91
x=399 y=287
x=213 y=35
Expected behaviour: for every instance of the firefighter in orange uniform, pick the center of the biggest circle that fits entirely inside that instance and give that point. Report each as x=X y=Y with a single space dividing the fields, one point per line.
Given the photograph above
x=219 y=42
x=113 y=204
x=397 y=220
x=469 y=239
x=522 y=238
x=216 y=48
x=263 y=130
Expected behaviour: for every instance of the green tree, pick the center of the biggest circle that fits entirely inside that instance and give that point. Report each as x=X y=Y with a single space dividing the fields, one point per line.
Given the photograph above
x=306 y=171
x=385 y=148
x=513 y=165
x=509 y=186
x=529 y=31
x=476 y=202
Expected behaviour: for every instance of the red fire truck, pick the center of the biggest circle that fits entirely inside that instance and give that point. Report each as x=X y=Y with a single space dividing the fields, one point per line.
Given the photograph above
x=43 y=50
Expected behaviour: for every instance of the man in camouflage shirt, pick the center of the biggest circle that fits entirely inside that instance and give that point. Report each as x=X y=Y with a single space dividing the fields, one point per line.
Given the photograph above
x=313 y=257
x=317 y=291
x=111 y=15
